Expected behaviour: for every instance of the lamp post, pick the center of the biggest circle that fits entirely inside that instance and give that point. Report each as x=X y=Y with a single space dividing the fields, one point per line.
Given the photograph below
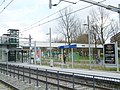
x=89 y=40
x=51 y=61
x=117 y=43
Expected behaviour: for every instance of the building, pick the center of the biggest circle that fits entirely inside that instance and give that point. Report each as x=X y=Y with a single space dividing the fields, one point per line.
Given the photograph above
x=8 y=44
x=44 y=46
x=116 y=38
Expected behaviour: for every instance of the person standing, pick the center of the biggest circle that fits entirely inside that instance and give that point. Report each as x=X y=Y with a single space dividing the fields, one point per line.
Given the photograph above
x=64 y=58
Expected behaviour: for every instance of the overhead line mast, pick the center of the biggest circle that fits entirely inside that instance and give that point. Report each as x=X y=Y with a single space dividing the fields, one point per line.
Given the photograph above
x=109 y=7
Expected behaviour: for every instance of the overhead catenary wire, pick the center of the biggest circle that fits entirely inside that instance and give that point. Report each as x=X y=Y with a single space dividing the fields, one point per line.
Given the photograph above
x=2 y=2
x=52 y=14
x=26 y=29
x=6 y=6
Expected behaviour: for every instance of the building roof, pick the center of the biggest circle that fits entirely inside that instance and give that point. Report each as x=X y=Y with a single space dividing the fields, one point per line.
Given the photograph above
x=6 y=34
x=13 y=29
x=47 y=44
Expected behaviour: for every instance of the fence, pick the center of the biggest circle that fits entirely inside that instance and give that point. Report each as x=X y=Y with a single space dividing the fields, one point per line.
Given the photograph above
x=60 y=79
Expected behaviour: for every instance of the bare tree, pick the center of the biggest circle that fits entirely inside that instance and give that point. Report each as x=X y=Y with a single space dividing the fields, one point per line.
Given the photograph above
x=69 y=25
x=114 y=30
x=102 y=26
x=56 y=39
x=79 y=30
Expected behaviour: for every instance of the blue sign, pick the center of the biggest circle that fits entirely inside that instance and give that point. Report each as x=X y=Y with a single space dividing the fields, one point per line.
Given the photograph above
x=67 y=46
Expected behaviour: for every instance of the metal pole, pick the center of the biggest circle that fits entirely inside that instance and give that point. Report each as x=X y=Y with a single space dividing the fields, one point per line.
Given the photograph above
x=22 y=56
x=18 y=72
x=7 y=63
x=7 y=60
x=10 y=69
x=72 y=56
x=116 y=56
x=117 y=43
x=37 y=76
x=23 y=74
x=46 y=80
x=34 y=52
x=58 y=80
x=62 y=57
x=29 y=75
x=40 y=57
x=119 y=15
x=116 y=46
x=93 y=82
x=73 y=81
x=14 y=70
x=1 y=68
x=51 y=62
x=89 y=42
x=29 y=48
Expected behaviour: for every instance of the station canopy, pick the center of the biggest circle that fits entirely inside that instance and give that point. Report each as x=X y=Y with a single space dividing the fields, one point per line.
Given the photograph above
x=68 y=46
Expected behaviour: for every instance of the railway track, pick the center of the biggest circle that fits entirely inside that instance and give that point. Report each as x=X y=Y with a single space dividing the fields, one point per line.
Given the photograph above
x=60 y=80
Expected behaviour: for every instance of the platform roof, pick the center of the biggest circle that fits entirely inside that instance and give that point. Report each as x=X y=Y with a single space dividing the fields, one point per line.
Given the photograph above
x=47 y=44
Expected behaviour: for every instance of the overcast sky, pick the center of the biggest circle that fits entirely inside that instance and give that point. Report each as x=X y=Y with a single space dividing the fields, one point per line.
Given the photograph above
x=21 y=14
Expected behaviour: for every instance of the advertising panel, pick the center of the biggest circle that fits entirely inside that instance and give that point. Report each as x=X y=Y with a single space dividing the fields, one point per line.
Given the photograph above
x=37 y=54
x=110 y=53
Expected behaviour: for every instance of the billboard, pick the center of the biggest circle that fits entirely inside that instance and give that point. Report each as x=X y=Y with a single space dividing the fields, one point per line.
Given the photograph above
x=37 y=54
x=110 y=52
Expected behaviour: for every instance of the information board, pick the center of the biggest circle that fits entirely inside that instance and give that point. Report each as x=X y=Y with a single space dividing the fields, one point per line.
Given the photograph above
x=110 y=53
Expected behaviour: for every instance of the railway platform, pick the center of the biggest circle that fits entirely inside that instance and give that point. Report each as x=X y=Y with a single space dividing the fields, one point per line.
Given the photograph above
x=111 y=74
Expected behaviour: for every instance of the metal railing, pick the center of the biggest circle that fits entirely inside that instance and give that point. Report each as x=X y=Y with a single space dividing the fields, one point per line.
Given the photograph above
x=60 y=80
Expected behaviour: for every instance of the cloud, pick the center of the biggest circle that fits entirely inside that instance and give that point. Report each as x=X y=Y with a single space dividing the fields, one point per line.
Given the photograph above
x=22 y=13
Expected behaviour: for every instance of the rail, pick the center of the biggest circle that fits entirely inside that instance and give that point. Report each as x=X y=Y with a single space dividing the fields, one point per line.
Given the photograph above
x=60 y=80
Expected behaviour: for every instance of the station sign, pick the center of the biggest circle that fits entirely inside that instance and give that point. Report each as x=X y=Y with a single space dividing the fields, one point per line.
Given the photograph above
x=68 y=46
x=110 y=53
